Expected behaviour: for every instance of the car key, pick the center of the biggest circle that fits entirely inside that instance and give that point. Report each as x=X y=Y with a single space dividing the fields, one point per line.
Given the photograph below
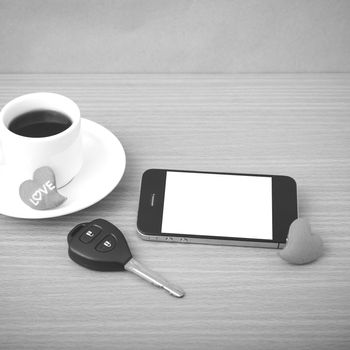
x=99 y=245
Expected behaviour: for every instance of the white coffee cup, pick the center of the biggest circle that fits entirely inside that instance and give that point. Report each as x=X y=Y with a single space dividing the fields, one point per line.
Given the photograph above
x=61 y=152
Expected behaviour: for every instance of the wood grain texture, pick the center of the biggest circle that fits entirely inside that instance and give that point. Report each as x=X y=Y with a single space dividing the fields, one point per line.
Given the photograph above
x=237 y=298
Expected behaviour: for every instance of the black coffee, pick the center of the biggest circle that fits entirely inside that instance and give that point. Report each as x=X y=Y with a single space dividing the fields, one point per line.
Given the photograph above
x=40 y=123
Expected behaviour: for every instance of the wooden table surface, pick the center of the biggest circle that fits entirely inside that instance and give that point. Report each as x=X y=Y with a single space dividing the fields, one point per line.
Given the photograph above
x=237 y=298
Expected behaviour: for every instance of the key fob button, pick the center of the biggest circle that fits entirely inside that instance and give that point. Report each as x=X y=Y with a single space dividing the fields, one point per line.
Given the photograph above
x=107 y=244
x=89 y=234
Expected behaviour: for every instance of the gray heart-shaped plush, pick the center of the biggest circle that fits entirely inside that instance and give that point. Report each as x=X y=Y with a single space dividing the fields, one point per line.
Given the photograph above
x=41 y=192
x=303 y=246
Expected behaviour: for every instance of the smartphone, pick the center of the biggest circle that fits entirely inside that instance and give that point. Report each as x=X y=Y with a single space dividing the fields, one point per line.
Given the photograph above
x=216 y=208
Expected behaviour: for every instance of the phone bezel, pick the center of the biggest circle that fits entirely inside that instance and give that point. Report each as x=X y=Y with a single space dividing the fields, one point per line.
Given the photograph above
x=149 y=218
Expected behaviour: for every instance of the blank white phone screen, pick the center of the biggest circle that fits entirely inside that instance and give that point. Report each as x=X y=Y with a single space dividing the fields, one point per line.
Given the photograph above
x=218 y=205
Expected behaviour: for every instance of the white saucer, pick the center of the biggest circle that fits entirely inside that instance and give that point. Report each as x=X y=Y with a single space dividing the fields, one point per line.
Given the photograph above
x=103 y=168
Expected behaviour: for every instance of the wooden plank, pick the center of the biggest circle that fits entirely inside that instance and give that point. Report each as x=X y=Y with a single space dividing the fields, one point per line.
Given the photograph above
x=241 y=298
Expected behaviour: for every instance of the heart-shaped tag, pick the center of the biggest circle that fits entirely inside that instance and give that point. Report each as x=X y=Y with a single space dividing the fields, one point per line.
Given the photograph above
x=41 y=192
x=303 y=246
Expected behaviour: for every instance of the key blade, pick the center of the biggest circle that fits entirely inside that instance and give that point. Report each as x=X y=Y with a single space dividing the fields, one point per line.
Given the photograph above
x=152 y=277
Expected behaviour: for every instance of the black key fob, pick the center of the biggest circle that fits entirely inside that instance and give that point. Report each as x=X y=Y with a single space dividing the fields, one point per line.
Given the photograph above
x=98 y=245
